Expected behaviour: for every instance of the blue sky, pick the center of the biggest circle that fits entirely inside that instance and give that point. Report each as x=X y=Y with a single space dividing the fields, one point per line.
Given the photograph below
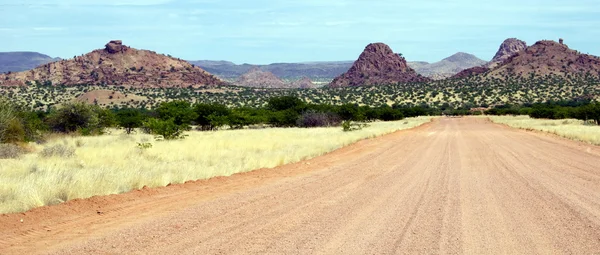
x=267 y=31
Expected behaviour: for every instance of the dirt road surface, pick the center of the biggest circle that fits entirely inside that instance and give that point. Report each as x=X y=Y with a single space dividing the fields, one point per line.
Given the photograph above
x=455 y=186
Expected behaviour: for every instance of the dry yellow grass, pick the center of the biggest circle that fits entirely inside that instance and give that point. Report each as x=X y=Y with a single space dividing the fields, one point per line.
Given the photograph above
x=112 y=164
x=569 y=128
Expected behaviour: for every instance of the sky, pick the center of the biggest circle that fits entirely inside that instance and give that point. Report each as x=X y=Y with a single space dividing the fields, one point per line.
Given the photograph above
x=275 y=31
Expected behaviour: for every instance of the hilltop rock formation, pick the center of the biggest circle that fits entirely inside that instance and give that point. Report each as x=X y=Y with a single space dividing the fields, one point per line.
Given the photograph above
x=378 y=65
x=115 y=46
x=547 y=58
x=507 y=49
x=116 y=64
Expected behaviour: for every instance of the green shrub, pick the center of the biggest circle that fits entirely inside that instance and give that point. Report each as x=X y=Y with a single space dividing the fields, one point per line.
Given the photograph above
x=73 y=117
x=349 y=126
x=164 y=129
x=14 y=132
x=7 y=116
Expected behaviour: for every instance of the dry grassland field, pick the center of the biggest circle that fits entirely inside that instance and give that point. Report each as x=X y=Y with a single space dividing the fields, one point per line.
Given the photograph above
x=452 y=186
x=80 y=167
x=569 y=128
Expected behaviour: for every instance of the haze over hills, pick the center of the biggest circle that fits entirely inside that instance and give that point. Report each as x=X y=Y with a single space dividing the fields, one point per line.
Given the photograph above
x=378 y=65
x=448 y=66
x=331 y=69
x=257 y=78
x=22 y=61
x=315 y=70
x=117 y=64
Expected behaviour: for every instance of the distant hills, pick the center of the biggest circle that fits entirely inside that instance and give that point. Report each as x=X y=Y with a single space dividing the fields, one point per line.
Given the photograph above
x=118 y=64
x=448 y=66
x=231 y=72
x=314 y=70
x=329 y=70
x=22 y=61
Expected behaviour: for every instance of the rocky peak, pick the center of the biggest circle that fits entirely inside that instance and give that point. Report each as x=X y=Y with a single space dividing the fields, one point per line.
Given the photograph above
x=508 y=48
x=115 y=46
x=258 y=78
x=377 y=65
x=304 y=83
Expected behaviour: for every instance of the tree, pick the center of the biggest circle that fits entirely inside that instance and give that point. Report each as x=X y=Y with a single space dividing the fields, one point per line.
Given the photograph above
x=285 y=103
x=129 y=119
x=210 y=116
x=180 y=111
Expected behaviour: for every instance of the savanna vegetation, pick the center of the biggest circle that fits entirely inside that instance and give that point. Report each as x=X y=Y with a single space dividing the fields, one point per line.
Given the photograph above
x=451 y=94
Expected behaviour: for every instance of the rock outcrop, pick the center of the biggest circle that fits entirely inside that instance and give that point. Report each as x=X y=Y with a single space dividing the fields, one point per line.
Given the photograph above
x=116 y=64
x=547 y=58
x=507 y=49
x=470 y=72
x=115 y=46
x=378 y=65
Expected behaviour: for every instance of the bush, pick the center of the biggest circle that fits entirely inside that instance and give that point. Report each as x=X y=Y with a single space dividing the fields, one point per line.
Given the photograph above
x=58 y=150
x=8 y=151
x=285 y=118
x=7 y=116
x=348 y=126
x=14 y=132
x=164 y=129
x=75 y=117
x=318 y=119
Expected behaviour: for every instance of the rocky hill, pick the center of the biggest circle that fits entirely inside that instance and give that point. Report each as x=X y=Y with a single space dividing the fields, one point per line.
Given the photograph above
x=547 y=58
x=378 y=65
x=304 y=83
x=508 y=48
x=22 y=61
x=116 y=64
x=260 y=79
x=447 y=67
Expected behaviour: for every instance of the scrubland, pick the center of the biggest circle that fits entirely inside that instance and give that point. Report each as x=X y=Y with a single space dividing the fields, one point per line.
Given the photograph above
x=67 y=168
